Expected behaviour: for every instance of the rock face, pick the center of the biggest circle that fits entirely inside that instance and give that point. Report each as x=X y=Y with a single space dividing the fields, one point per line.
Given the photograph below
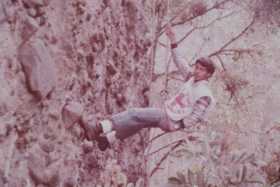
x=61 y=60
x=38 y=66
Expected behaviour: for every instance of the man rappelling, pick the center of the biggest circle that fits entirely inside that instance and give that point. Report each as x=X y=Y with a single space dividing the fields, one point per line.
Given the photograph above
x=188 y=107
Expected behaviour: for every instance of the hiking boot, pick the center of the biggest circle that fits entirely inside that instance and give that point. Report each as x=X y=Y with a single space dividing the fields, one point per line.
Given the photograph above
x=102 y=143
x=91 y=128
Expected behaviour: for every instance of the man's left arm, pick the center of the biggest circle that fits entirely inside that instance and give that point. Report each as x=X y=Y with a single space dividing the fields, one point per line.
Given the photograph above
x=198 y=112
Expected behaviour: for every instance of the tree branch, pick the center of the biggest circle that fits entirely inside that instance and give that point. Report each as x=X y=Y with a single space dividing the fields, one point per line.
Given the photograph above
x=163 y=147
x=233 y=39
x=157 y=136
x=165 y=156
x=192 y=17
x=200 y=27
x=154 y=45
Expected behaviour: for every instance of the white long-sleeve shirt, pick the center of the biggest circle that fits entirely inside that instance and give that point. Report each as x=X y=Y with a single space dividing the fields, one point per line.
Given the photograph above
x=193 y=100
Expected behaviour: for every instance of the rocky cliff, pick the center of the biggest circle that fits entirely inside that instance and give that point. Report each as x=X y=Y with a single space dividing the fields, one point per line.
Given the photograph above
x=61 y=60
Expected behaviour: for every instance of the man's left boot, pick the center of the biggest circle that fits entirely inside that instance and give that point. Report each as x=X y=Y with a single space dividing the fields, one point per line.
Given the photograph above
x=92 y=128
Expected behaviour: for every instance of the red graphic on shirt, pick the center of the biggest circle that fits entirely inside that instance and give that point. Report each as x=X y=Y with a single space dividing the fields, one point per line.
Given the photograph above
x=180 y=100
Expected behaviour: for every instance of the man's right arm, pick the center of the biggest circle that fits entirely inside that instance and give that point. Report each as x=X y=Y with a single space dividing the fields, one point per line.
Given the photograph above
x=182 y=66
x=180 y=63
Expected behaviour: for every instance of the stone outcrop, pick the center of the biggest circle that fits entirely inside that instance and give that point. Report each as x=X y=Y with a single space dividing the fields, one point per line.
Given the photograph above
x=38 y=66
x=42 y=174
x=34 y=3
x=71 y=113
x=63 y=60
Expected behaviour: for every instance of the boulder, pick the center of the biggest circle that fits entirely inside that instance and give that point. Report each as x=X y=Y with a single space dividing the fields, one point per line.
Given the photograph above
x=38 y=66
x=7 y=122
x=130 y=185
x=47 y=146
x=27 y=28
x=71 y=113
x=3 y=17
x=40 y=173
x=33 y=3
x=140 y=183
x=7 y=12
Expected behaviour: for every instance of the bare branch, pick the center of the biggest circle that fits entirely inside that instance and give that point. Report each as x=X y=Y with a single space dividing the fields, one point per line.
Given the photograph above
x=156 y=137
x=154 y=45
x=192 y=17
x=171 y=74
x=187 y=35
x=166 y=73
x=201 y=27
x=162 y=134
x=233 y=39
x=221 y=62
x=163 y=147
x=165 y=156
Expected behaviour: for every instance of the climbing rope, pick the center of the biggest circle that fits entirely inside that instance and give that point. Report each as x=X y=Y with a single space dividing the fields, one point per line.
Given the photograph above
x=164 y=91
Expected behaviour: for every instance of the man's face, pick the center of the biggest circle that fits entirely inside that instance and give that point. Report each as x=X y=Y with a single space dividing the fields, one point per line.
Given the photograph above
x=200 y=72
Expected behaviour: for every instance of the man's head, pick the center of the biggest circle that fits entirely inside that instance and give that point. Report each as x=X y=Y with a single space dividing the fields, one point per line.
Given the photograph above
x=204 y=69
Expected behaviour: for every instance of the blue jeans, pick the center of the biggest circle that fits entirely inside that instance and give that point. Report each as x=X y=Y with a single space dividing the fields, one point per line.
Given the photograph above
x=133 y=120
